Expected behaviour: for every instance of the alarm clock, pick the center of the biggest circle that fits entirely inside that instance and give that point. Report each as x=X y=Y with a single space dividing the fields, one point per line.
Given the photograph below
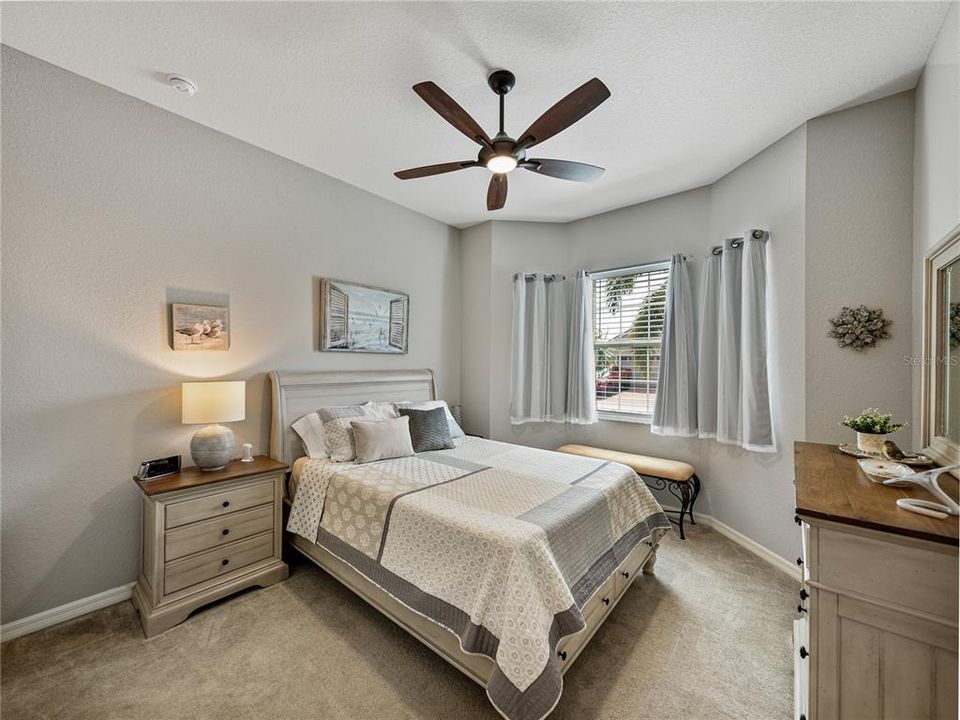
x=150 y=469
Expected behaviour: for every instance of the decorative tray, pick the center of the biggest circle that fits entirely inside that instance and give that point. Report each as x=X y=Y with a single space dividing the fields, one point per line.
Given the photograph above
x=879 y=470
x=912 y=460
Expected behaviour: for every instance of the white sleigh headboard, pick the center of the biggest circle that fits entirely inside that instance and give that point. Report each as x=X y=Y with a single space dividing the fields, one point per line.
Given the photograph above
x=296 y=394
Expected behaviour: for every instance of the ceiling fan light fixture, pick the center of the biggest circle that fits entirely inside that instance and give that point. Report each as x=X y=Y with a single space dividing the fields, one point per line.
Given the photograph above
x=501 y=164
x=502 y=154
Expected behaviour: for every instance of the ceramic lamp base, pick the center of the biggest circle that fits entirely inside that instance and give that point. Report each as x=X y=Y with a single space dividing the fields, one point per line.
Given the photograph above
x=212 y=447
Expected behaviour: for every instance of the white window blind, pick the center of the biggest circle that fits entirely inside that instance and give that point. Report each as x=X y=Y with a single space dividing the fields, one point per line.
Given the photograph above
x=628 y=310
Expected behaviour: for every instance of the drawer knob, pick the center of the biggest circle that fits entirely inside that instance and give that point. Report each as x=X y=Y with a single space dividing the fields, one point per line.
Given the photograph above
x=562 y=654
x=225 y=531
x=800 y=561
x=626 y=575
x=225 y=561
x=803 y=652
x=226 y=503
x=801 y=609
x=804 y=594
x=606 y=601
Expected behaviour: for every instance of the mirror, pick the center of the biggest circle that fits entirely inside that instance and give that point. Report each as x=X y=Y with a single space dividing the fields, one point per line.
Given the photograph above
x=950 y=392
x=940 y=425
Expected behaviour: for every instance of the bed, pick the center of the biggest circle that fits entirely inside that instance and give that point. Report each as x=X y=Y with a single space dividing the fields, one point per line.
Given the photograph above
x=502 y=559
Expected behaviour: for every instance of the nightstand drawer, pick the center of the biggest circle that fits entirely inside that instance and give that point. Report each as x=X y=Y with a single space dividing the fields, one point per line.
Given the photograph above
x=195 y=569
x=217 y=532
x=215 y=505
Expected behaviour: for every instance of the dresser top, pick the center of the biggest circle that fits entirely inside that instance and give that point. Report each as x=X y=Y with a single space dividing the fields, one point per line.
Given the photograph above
x=193 y=477
x=831 y=486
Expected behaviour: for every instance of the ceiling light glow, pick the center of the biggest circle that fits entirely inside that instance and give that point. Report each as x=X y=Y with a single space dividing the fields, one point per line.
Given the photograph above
x=501 y=163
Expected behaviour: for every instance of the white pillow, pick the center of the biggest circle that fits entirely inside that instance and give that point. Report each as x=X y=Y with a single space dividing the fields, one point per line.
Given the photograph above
x=455 y=430
x=378 y=408
x=382 y=439
x=310 y=430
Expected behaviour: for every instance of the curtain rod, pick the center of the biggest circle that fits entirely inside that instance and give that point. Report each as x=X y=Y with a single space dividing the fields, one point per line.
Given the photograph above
x=547 y=278
x=762 y=235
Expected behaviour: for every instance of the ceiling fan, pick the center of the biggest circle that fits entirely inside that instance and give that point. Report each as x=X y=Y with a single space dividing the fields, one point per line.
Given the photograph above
x=502 y=153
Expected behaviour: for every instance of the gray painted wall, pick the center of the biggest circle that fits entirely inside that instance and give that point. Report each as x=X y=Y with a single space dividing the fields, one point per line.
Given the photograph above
x=112 y=207
x=475 y=262
x=859 y=252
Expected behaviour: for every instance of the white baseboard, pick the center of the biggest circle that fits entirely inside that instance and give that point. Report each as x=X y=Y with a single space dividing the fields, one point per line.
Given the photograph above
x=781 y=564
x=66 y=612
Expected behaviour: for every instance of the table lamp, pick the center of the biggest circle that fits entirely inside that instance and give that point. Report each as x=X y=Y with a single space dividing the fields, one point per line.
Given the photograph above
x=210 y=403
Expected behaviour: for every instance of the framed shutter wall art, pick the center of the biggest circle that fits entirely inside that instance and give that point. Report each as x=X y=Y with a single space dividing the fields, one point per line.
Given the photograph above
x=362 y=318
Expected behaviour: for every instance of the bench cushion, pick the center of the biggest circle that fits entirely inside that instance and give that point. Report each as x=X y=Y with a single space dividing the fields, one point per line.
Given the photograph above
x=641 y=464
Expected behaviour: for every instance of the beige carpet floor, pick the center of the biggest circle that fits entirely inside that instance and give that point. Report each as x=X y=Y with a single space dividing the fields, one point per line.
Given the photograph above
x=708 y=636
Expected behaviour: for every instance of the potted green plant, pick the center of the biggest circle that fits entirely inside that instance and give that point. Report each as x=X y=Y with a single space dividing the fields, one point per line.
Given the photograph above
x=872 y=428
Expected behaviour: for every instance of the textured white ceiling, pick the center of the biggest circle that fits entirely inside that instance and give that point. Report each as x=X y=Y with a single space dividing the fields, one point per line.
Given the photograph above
x=696 y=87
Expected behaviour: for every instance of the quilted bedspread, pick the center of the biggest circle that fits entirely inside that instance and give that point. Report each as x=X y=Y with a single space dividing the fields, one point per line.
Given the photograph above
x=499 y=543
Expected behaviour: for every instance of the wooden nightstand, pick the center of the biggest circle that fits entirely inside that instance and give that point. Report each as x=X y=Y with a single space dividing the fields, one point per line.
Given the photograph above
x=207 y=535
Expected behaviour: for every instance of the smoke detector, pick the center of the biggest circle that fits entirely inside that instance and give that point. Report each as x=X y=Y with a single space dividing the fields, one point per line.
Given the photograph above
x=182 y=84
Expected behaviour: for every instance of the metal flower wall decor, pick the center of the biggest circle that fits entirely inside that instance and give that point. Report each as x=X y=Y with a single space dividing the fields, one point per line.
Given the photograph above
x=859 y=327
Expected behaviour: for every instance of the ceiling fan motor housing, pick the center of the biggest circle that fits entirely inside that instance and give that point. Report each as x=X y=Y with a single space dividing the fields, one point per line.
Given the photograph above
x=502 y=81
x=502 y=145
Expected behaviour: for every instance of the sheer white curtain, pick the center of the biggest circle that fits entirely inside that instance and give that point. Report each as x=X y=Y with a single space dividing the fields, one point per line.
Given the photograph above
x=675 y=410
x=552 y=354
x=733 y=391
x=707 y=344
x=581 y=363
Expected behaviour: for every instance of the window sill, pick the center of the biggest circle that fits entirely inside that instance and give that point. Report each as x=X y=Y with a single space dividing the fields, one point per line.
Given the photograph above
x=635 y=418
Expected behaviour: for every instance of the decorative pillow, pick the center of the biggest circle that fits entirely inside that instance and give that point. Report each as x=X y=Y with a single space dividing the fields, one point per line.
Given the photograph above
x=310 y=430
x=338 y=432
x=428 y=429
x=382 y=439
x=455 y=430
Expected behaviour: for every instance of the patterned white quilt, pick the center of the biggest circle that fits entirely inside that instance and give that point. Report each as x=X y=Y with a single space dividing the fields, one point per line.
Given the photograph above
x=499 y=543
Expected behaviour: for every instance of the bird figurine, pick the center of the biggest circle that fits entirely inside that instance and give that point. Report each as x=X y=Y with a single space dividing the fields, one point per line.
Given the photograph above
x=892 y=452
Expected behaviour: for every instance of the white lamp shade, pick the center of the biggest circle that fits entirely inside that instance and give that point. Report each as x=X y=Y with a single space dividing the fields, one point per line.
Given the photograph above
x=213 y=402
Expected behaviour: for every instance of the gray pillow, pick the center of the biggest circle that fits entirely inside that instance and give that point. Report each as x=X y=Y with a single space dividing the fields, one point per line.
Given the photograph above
x=428 y=429
x=455 y=430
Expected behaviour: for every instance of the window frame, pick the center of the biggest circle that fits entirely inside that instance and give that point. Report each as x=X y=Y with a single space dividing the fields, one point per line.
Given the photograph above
x=615 y=415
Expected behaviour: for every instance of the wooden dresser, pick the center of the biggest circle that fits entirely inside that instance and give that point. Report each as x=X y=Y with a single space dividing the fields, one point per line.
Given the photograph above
x=877 y=633
x=207 y=535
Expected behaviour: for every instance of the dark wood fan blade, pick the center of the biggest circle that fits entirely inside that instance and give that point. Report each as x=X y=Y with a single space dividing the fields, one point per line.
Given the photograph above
x=563 y=169
x=428 y=170
x=565 y=113
x=448 y=109
x=497 y=192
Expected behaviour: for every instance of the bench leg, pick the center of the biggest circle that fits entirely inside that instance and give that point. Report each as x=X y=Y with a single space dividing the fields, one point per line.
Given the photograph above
x=696 y=493
x=685 y=504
